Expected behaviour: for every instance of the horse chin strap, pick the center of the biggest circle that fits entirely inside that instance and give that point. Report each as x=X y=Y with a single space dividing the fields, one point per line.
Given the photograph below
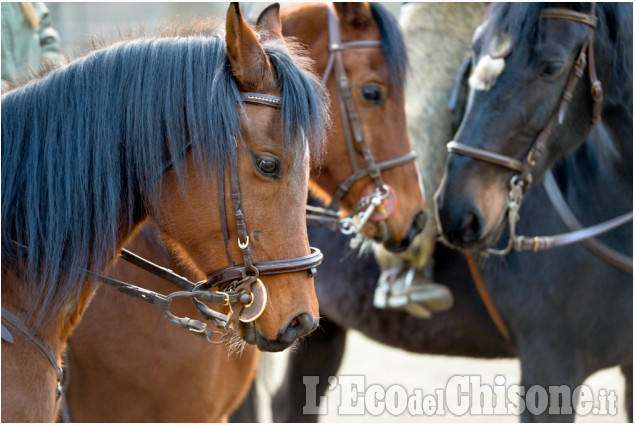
x=521 y=182
x=375 y=206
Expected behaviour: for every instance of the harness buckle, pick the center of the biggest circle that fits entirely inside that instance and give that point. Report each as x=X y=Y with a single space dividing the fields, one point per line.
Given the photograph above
x=226 y=295
x=197 y=330
x=530 y=157
x=596 y=90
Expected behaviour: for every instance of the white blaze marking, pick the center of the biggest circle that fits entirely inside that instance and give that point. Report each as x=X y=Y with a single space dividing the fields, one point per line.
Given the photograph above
x=486 y=72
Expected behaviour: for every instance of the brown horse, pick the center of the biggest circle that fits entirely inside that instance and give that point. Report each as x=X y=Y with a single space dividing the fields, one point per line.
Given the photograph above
x=119 y=374
x=141 y=129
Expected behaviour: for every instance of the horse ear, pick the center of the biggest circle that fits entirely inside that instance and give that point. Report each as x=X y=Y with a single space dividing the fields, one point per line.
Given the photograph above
x=354 y=13
x=269 y=20
x=249 y=62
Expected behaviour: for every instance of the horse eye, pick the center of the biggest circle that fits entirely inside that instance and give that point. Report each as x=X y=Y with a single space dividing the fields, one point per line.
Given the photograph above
x=551 y=69
x=267 y=166
x=372 y=94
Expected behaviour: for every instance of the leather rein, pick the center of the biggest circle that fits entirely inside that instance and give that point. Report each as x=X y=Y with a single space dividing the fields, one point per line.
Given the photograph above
x=520 y=182
x=354 y=135
x=237 y=286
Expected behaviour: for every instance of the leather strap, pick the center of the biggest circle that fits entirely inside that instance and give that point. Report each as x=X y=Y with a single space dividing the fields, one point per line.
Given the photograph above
x=241 y=225
x=542 y=243
x=487 y=301
x=571 y=15
x=483 y=155
x=596 y=247
x=323 y=217
x=223 y=217
x=345 y=186
x=162 y=272
x=267 y=268
x=18 y=324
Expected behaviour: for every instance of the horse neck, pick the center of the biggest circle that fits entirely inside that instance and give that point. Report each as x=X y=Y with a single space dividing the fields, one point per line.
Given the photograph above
x=597 y=177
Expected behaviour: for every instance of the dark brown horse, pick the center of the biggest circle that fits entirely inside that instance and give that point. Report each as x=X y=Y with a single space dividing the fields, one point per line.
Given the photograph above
x=119 y=374
x=143 y=129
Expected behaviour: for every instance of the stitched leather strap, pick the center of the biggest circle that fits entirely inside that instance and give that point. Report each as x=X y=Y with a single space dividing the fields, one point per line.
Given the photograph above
x=267 y=268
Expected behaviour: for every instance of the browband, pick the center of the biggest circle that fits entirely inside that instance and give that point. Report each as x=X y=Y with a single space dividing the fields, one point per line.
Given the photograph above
x=261 y=99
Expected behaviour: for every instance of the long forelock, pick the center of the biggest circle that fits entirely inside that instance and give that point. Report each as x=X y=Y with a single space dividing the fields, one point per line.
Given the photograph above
x=393 y=45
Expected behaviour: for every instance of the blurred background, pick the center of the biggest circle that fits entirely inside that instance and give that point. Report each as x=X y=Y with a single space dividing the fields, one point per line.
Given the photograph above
x=380 y=364
x=75 y=21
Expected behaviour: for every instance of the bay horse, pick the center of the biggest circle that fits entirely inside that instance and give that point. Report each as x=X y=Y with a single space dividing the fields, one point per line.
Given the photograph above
x=118 y=374
x=564 y=322
x=150 y=127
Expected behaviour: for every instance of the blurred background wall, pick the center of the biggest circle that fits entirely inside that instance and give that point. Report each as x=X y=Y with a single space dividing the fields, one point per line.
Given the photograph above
x=76 y=21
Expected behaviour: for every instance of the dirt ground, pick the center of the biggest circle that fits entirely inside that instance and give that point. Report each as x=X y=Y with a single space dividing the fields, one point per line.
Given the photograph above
x=387 y=366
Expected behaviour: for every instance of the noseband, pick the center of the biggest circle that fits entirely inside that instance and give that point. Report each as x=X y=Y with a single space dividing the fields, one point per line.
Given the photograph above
x=520 y=182
x=354 y=135
x=237 y=286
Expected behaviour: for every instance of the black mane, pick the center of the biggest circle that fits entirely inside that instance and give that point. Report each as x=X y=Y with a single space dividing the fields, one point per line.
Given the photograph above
x=393 y=45
x=83 y=145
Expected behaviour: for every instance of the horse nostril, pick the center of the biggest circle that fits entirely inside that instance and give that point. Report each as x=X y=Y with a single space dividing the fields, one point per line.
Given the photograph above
x=418 y=223
x=471 y=227
x=301 y=325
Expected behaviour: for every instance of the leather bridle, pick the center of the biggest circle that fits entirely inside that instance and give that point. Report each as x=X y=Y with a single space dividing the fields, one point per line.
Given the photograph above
x=520 y=182
x=354 y=135
x=237 y=286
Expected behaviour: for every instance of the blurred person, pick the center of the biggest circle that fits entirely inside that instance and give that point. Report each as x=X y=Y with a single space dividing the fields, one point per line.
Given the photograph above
x=27 y=40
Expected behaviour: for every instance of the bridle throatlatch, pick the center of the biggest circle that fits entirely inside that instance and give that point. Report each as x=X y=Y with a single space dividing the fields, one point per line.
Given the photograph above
x=378 y=205
x=521 y=182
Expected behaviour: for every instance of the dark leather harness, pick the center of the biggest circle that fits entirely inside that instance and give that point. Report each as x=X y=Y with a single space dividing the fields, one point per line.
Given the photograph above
x=237 y=286
x=354 y=135
x=519 y=183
